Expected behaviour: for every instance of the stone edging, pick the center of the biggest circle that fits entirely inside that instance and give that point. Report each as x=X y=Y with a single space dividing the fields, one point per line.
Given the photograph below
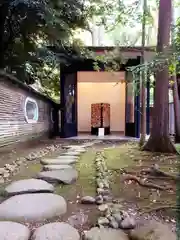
x=13 y=168
x=102 y=179
x=111 y=214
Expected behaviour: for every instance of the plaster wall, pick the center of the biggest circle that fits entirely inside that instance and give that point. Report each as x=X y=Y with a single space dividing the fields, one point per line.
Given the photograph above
x=101 y=87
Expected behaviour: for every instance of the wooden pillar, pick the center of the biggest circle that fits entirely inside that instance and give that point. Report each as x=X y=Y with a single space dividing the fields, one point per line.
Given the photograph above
x=129 y=108
x=137 y=113
x=148 y=108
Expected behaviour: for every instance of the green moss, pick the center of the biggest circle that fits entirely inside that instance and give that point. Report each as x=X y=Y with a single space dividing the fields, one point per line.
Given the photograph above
x=118 y=157
x=177 y=147
x=29 y=171
x=85 y=185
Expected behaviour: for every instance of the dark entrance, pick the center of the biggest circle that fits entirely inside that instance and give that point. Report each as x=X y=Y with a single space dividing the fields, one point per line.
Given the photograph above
x=68 y=84
x=69 y=105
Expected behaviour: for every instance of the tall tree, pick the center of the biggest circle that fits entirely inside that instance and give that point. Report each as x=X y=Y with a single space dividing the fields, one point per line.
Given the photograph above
x=176 y=99
x=159 y=140
x=143 y=81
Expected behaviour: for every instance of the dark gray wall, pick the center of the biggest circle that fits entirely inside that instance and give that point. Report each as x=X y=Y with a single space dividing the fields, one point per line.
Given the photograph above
x=13 y=126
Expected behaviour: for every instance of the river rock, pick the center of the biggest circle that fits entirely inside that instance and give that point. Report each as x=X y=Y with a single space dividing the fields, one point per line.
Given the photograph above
x=55 y=167
x=103 y=207
x=32 y=207
x=2 y=171
x=118 y=217
x=88 y=200
x=153 y=230
x=13 y=231
x=28 y=186
x=99 y=199
x=105 y=234
x=66 y=176
x=103 y=221
x=127 y=223
x=56 y=231
x=114 y=224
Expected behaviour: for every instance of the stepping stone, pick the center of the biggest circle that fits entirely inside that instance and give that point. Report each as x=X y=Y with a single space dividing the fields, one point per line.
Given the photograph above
x=66 y=176
x=13 y=231
x=28 y=186
x=34 y=207
x=105 y=234
x=79 y=150
x=58 y=161
x=61 y=157
x=56 y=231
x=73 y=153
x=74 y=147
x=55 y=167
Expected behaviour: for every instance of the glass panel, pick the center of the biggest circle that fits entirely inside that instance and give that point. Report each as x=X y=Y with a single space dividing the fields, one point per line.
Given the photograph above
x=31 y=111
x=130 y=103
x=70 y=116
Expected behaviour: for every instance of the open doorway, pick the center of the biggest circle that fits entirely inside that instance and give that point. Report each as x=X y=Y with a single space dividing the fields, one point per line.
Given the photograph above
x=101 y=87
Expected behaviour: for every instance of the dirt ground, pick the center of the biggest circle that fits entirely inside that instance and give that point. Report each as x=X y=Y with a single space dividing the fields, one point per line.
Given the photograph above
x=128 y=159
x=120 y=158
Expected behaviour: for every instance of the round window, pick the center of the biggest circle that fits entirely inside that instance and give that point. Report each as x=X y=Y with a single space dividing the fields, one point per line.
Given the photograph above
x=31 y=110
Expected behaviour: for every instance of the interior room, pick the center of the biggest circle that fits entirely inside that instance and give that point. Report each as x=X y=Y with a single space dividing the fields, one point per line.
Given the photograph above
x=101 y=88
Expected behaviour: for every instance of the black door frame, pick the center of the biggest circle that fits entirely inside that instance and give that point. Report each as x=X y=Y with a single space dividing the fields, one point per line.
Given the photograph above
x=68 y=129
x=131 y=129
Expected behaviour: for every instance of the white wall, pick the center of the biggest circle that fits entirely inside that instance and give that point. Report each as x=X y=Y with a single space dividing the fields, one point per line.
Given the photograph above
x=111 y=93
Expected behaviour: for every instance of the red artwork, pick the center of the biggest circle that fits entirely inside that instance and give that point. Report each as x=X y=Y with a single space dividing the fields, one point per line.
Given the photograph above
x=100 y=115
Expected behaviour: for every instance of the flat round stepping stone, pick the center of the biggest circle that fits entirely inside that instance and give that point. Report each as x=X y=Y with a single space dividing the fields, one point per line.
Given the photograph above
x=28 y=186
x=66 y=176
x=74 y=147
x=58 y=161
x=73 y=153
x=79 y=150
x=68 y=157
x=105 y=234
x=34 y=207
x=56 y=231
x=13 y=231
x=56 y=167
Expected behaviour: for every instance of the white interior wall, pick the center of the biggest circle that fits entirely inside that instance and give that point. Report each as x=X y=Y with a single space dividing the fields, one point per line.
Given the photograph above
x=101 y=92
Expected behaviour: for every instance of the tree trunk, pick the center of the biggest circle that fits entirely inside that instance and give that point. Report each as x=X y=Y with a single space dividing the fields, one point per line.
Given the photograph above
x=159 y=140
x=175 y=85
x=143 y=82
x=176 y=110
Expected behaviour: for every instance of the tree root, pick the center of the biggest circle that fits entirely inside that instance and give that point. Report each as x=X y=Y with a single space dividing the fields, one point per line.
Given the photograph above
x=143 y=183
x=162 y=144
x=149 y=209
x=155 y=171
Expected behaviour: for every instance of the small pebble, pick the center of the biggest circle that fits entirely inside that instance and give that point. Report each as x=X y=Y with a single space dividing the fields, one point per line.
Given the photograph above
x=103 y=221
x=118 y=217
x=99 y=199
x=114 y=224
x=128 y=223
x=88 y=200
x=103 y=207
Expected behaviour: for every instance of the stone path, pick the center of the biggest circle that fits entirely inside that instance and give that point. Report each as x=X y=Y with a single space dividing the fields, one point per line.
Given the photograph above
x=28 y=186
x=33 y=201
x=66 y=176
